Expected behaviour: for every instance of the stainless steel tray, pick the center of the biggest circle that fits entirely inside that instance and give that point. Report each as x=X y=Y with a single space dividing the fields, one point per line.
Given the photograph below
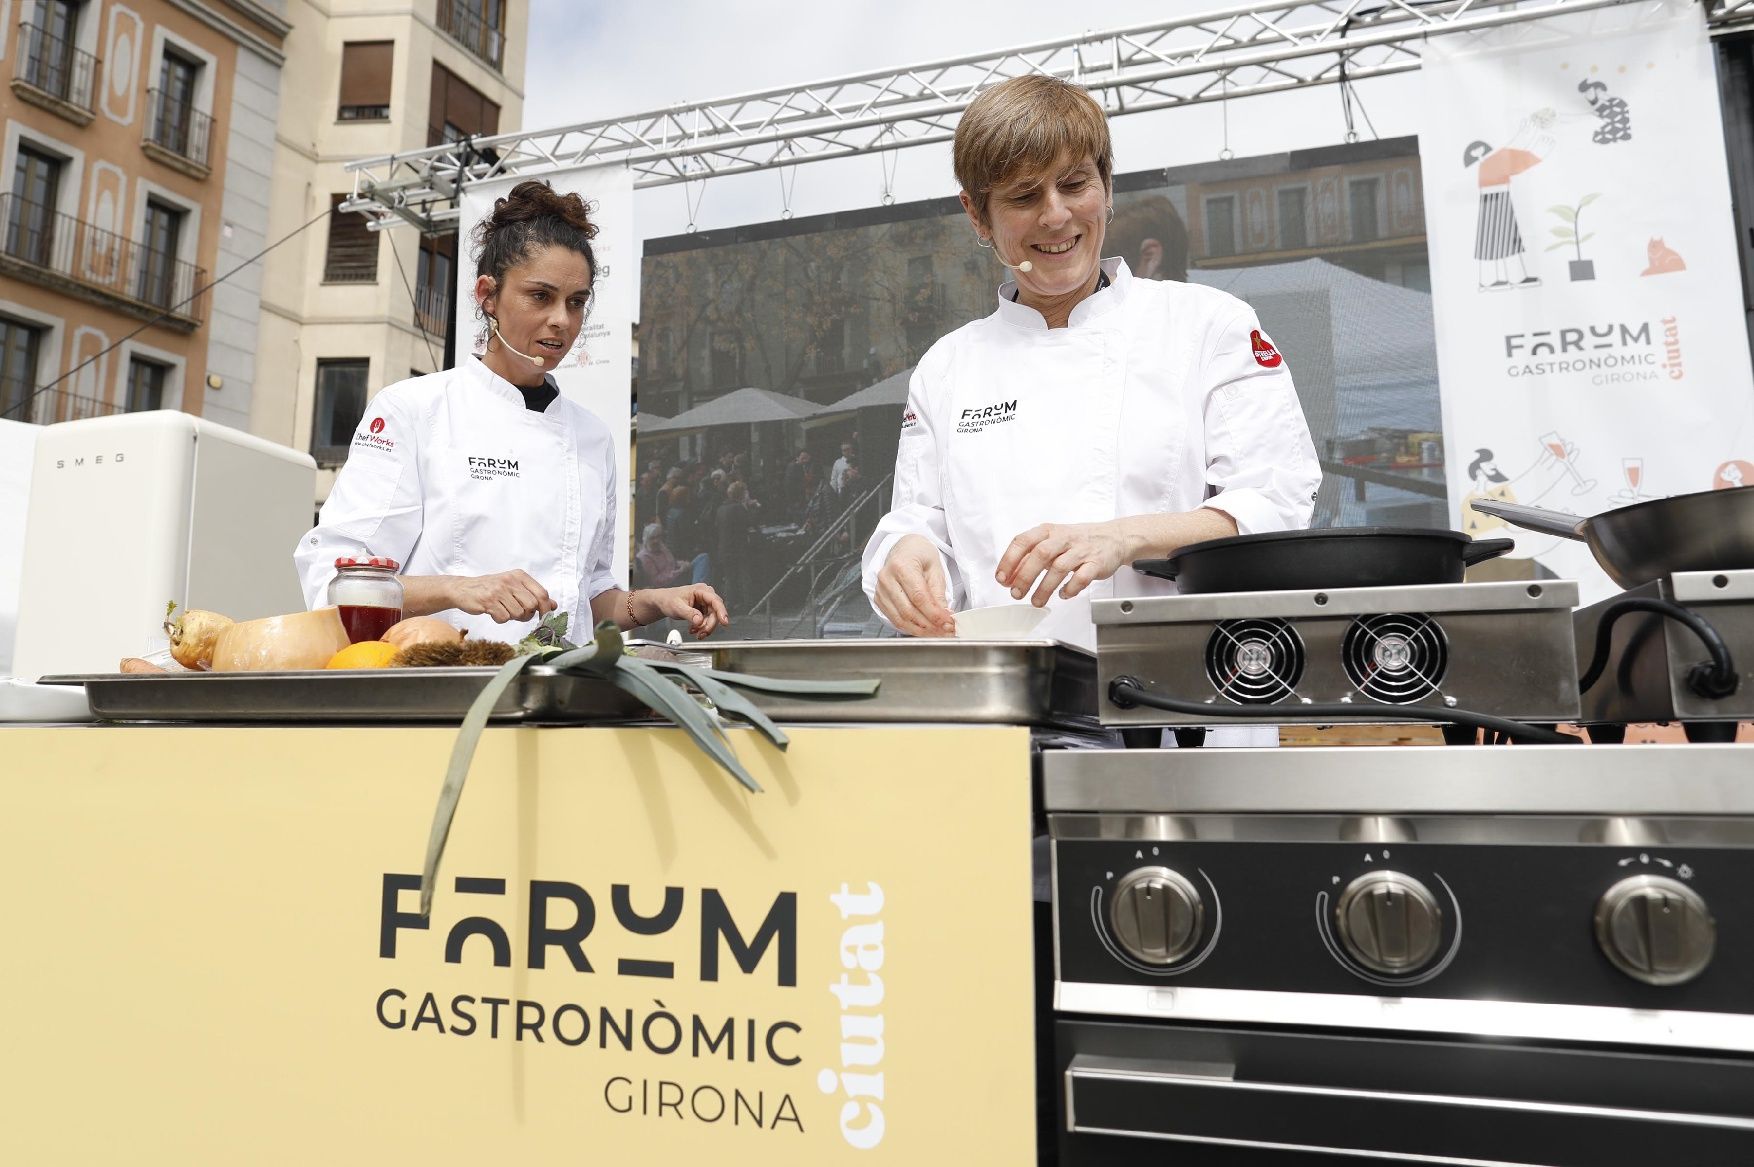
x=539 y=695
x=1006 y=682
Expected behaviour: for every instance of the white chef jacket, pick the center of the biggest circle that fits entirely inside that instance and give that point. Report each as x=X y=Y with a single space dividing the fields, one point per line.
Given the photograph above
x=1157 y=397
x=450 y=474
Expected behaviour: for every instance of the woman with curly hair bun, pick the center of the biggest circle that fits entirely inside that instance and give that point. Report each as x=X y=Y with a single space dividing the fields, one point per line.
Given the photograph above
x=494 y=493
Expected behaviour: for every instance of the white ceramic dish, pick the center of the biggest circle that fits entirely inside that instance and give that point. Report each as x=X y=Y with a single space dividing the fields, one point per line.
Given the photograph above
x=999 y=622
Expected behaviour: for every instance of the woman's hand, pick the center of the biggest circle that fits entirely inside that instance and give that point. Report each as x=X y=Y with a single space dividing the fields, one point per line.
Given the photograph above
x=1073 y=554
x=698 y=604
x=506 y=596
x=911 y=589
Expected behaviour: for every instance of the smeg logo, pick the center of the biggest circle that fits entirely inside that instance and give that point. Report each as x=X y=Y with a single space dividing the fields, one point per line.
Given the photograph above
x=95 y=460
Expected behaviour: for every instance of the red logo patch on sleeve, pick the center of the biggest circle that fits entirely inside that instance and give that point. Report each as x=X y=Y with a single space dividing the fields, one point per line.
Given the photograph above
x=1266 y=355
x=378 y=422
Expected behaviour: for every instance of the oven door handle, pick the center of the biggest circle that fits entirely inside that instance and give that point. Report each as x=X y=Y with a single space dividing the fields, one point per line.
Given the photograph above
x=1207 y=1103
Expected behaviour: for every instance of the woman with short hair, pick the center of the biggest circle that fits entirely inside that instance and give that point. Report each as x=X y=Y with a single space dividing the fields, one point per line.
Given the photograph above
x=1094 y=418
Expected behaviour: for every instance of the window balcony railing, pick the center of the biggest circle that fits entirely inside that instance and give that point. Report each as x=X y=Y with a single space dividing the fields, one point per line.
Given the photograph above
x=71 y=255
x=178 y=128
x=55 y=405
x=465 y=23
x=54 y=67
x=432 y=309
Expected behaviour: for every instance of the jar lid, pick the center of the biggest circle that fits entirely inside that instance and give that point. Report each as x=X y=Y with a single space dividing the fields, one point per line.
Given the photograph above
x=375 y=561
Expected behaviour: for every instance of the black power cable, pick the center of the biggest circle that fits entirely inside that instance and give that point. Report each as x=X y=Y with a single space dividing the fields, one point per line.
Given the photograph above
x=1711 y=679
x=1128 y=692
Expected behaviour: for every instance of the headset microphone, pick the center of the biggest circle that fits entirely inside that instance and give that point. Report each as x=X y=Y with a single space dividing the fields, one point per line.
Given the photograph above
x=537 y=361
x=1024 y=266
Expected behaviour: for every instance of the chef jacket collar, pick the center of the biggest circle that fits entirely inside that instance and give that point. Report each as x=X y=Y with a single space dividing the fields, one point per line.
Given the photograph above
x=1089 y=308
x=478 y=373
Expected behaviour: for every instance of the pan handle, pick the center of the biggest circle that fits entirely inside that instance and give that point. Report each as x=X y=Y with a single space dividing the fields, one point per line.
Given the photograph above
x=1160 y=568
x=1480 y=550
x=1534 y=518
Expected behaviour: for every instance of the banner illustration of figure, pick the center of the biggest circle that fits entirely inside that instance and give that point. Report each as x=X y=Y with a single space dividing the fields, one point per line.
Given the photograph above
x=1489 y=483
x=1616 y=117
x=1550 y=468
x=1497 y=238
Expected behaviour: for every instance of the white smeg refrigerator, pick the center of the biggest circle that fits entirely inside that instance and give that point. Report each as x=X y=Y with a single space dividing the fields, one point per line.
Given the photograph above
x=131 y=511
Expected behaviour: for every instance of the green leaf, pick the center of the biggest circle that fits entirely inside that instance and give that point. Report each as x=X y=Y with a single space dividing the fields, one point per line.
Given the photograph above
x=1564 y=232
x=1587 y=200
x=1557 y=246
x=462 y=754
x=1586 y=238
x=1566 y=213
x=792 y=687
x=675 y=703
x=728 y=700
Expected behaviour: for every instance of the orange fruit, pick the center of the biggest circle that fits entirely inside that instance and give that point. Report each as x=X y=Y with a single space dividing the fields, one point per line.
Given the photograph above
x=367 y=654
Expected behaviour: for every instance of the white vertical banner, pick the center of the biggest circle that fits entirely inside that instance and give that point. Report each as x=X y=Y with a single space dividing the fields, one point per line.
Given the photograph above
x=1591 y=347
x=599 y=373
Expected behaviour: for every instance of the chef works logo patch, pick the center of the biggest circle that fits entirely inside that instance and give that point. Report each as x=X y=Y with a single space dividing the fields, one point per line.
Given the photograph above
x=1266 y=355
x=973 y=421
x=371 y=438
x=909 y=420
x=485 y=469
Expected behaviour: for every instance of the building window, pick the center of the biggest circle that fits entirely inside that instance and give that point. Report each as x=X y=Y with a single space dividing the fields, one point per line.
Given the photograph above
x=432 y=284
x=457 y=110
x=30 y=217
x=1221 y=225
x=174 y=124
x=145 y=384
x=477 y=25
x=340 y=406
x=158 y=255
x=48 y=60
x=365 y=81
x=1294 y=217
x=1362 y=201
x=353 y=247
x=18 y=368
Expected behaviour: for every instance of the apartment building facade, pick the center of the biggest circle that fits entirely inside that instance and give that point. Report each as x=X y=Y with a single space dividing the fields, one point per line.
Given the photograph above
x=346 y=311
x=138 y=157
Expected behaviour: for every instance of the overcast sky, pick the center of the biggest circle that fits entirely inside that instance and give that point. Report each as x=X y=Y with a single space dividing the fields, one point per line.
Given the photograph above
x=591 y=59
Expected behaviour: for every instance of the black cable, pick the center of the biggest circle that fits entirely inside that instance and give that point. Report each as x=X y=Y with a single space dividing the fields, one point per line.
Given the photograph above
x=1127 y=692
x=190 y=298
x=1711 y=679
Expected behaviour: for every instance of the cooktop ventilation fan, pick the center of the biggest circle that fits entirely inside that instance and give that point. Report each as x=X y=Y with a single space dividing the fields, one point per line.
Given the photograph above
x=1254 y=662
x=1396 y=658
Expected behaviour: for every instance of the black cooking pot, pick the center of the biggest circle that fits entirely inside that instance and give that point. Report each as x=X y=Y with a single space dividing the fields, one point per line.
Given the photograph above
x=1337 y=557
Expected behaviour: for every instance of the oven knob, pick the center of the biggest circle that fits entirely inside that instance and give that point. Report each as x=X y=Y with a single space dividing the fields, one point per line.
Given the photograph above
x=1655 y=929
x=1388 y=922
x=1156 y=915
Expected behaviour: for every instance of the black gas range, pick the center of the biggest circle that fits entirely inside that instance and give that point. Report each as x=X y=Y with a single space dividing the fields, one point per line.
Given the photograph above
x=1526 y=955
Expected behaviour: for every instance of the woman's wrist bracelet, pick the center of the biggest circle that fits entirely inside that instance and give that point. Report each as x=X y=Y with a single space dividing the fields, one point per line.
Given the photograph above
x=632 y=620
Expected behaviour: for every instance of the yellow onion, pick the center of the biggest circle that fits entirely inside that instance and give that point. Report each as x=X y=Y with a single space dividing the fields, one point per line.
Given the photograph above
x=421 y=630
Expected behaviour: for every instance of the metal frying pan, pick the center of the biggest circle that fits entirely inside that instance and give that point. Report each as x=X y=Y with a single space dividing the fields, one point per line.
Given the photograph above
x=1712 y=530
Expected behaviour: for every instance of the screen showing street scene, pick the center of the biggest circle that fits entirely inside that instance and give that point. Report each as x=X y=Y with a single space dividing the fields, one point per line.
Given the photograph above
x=774 y=362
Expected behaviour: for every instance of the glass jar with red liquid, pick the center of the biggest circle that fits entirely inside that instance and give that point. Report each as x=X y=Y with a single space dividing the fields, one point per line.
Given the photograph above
x=369 y=596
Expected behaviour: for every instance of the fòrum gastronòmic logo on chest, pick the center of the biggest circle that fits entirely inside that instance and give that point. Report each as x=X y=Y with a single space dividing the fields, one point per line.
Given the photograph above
x=982 y=417
x=483 y=469
x=642 y=955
